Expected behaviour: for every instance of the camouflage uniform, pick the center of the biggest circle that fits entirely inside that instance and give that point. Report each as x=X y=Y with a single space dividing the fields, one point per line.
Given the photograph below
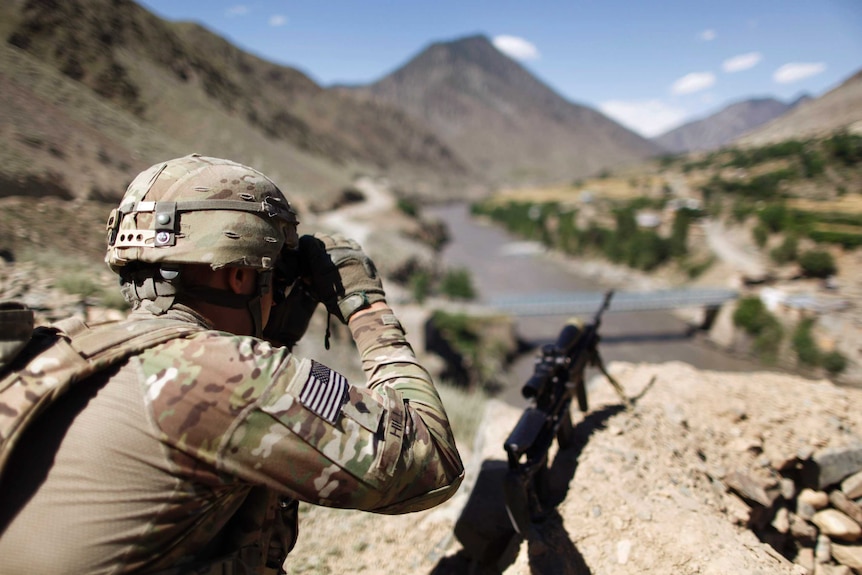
x=202 y=446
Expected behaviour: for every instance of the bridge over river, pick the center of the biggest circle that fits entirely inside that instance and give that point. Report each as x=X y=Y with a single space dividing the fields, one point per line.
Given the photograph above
x=586 y=302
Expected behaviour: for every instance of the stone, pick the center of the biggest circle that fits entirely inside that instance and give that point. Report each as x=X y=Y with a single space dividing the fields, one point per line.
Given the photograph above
x=850 y=555
x=749 y=489
x=782 y=520
x=846 y=505
x=805 y=510
x=787 y=488
x=805 y=558
x=835 y=464
x=852 y=486
x=624 y=549
x=802 y=531
x=823 y=550
x=837 y=525
x=816 y=499
x=826 y=569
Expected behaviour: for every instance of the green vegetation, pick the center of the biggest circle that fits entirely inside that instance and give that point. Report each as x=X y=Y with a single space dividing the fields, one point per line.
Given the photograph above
x=458 y=284
x=810 y=155
x=626 y=243
x=845 y=148
x=695 y=268
x=409 y=207
x=81 y=283
x=768 y=176
x=478 y=347
x=678 y=244
x=454 y=284
x=846 y=236
x=761 y=187
x=826 y=227
x=817 y=264
x=459 y=330
x=760 y=234
x=91 y=288
x=787 y=251
x=834 y=362
x=739 y=210
x=75 y=275
x=804 y=345
x=809 y=353
x=752 y=157
x=420 y=285
x=753 y=317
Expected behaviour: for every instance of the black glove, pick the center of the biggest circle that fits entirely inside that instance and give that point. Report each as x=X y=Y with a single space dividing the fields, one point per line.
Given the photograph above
x=290 y=317
x=339 y=273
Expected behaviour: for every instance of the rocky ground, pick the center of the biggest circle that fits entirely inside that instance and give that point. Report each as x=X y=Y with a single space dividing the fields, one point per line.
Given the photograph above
x=683 y=482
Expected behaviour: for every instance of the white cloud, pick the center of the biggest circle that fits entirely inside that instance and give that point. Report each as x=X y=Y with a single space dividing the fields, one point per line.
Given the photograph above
x=796 y=71
x=707 y=35
x=742 y=62
x=237 y=10
x=694 y=82
x=516 y=48
x=648 y=118
x=277 y=20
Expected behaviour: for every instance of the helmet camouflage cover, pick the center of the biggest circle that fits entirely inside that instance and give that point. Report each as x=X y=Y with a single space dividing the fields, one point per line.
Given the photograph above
x=200 y=210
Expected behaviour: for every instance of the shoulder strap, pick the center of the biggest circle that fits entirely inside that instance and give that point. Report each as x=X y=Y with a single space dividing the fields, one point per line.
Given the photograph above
x=69 y=353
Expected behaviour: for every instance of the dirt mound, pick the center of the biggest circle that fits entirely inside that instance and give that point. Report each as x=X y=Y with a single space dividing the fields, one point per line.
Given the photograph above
x=671 y=485
x=666 y=487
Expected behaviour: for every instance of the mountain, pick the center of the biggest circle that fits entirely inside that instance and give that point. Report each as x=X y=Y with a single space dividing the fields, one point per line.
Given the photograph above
x=721 y=128
x=836 y=110
x=504 y=122
x=92 y=91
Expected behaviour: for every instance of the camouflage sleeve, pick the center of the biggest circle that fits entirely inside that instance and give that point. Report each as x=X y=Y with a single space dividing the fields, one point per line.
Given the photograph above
x=389 y=363
x=237 y=409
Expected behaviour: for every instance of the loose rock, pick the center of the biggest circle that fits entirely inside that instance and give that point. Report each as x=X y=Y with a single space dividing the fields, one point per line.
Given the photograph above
x=852 y=486
x=835 y=464
x=837 y=525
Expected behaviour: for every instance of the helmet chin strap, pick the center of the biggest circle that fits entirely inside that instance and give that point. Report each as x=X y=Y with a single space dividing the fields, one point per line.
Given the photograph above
x=226 y=298
x=162 y=288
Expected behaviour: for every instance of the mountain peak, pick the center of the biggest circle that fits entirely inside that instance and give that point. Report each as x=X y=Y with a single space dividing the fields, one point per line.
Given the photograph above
x=510 y=126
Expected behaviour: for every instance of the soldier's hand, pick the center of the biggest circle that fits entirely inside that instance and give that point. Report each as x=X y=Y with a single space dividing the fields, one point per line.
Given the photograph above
x=339 y=274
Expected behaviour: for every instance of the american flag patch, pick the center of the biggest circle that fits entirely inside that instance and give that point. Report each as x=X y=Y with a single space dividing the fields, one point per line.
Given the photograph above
x=324 y=392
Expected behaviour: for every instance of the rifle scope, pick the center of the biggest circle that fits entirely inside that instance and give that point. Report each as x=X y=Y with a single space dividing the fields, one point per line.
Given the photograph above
x=553 y=357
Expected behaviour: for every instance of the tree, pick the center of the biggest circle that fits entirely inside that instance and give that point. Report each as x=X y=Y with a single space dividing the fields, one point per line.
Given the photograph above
x=817 y=264
x=679 y=233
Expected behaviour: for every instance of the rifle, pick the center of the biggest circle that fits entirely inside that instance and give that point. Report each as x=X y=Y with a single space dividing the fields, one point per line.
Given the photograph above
x=558 y=376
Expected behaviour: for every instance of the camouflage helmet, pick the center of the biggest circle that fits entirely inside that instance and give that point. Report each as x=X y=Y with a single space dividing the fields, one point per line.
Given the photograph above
x=200 y=210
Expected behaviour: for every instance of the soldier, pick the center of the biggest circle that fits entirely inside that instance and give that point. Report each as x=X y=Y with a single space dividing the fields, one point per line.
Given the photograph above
x=191 y=455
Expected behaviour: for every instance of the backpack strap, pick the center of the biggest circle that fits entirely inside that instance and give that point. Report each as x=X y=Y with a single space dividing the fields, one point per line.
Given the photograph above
x=69 y=358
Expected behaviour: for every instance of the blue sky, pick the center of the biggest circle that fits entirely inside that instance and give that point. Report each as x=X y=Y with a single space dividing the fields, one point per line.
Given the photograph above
x=651 y=65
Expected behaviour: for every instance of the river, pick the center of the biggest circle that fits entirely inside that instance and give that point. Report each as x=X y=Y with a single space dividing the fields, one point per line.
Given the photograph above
x=499 y=268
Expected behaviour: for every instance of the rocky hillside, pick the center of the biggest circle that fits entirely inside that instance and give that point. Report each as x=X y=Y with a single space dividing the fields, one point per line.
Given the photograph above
x=501 y=119
x=840 y=108
x=724 y=126
x=109 y=88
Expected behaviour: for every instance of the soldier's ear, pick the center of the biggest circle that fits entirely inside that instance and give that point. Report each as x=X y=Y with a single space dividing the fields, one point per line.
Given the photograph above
x=241 y=280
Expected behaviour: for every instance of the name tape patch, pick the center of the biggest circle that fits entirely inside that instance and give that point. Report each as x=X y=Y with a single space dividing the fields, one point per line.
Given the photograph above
x=324 y=392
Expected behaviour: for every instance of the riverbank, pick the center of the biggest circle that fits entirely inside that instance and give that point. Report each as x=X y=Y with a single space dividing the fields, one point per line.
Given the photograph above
x=502 y=265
